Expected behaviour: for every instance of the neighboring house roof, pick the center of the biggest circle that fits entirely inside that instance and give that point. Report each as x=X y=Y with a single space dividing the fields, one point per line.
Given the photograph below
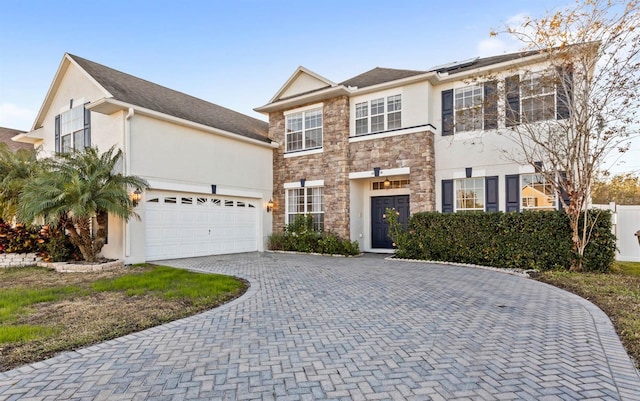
x=142 y=93
x=5 y=137
x=379 y=75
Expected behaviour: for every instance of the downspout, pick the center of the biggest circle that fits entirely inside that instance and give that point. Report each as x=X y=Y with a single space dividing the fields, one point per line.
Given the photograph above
x=125 y=171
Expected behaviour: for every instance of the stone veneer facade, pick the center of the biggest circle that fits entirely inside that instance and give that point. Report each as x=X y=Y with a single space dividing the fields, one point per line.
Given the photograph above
x=339 y=158
x=415 y=151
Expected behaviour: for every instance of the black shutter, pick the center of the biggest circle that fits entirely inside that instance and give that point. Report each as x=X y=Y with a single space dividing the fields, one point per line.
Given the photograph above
x=57 y=131
x=447 y=196
x=564 y=93
x=447 y=112
x=563 y=190
x=491 y=105
x=512 y=90
x=512 y=186
x=87 y=128
x=491 y=194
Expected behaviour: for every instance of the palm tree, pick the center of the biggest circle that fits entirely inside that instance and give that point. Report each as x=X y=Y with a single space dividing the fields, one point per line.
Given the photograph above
x=77 y=187
x=16 y=169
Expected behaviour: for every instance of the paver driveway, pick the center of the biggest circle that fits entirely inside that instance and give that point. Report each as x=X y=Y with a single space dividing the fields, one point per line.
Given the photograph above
x=315 y=327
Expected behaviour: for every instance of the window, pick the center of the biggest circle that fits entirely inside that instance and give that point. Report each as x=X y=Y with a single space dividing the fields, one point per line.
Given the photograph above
x=468 y=108
x=395 y=184
x=301 y=201
x=304 y=130
x=536 y=193
x=537 y=97
x=362 y=118
x=73 y=130
x=371 y=116
x=469 y=194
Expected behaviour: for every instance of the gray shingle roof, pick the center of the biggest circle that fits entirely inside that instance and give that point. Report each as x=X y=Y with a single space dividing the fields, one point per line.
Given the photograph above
x=139 y=92
x=379 y=75
x=483 y=62
x=5 y=137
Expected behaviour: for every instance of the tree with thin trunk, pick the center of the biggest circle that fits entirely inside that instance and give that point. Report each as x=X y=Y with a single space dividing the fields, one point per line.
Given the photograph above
x=590 y=51
x=80 y=189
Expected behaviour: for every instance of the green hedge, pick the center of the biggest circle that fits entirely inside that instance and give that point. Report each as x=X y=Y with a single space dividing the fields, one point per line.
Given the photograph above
x=299 y=236
x=527 y=240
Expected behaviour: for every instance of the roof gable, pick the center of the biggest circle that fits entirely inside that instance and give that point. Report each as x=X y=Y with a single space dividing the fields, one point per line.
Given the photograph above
x=142 y=93
x=302 y=81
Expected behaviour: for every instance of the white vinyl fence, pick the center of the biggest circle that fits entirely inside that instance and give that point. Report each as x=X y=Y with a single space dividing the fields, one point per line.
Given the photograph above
x=626 y=222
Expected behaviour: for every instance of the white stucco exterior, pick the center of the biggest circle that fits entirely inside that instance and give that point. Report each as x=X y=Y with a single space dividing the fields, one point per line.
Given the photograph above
x=172 y=154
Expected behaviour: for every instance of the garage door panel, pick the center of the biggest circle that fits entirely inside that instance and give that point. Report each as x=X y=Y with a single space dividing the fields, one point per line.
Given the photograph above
x=186 y=225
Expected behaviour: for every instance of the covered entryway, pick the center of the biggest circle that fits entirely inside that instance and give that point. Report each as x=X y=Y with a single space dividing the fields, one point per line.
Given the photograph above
x=379 y=227
x=181 y=225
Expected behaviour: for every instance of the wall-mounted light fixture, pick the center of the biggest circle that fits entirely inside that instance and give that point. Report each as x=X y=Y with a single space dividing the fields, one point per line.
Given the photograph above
x=386 y=184
x=135 y=196
x=269 y=205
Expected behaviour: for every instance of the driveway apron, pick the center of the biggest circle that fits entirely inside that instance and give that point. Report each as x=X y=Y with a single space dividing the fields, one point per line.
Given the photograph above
x=327 y=328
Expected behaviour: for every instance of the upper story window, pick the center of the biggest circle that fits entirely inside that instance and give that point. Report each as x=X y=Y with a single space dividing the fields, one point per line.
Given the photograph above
x=304 y=130
x=379 y=115
x=538 y=96
x=73 y=129
x=470 y=108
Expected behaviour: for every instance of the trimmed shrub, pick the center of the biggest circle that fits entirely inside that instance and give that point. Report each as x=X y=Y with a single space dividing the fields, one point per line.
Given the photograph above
x=528 y=240
x=299 y=236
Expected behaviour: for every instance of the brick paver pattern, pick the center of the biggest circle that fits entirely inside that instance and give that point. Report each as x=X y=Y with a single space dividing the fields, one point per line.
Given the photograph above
x=325 y=328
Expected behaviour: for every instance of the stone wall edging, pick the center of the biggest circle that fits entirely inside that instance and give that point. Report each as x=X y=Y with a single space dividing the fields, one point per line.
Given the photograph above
x=18 y=259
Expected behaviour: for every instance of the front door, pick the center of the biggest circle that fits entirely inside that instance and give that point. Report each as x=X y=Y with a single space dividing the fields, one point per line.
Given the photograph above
x=379 y=227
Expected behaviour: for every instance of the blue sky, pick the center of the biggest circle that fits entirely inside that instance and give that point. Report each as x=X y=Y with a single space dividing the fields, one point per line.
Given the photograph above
x=238 y=53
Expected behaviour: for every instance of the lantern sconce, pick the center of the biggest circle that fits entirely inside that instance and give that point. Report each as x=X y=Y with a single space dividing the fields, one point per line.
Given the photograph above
x=386 y=184
x=136 y=196
x=269 y=206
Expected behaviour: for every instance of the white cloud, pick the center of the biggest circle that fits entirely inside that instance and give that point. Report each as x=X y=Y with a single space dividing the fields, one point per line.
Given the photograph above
x=14 y=116
x=504 y=42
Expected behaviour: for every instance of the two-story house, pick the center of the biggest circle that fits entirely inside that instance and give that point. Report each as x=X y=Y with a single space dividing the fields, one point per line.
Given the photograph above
x=410 y=140
x=209 y=168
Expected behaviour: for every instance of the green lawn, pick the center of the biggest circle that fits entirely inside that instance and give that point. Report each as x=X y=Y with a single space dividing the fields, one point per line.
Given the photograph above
x=43 y=312
x=616 y=293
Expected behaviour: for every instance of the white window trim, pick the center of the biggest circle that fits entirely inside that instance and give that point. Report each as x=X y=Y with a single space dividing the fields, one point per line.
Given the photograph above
x=473 y=132
x=303 y=110
x=374 y=96
x=310 y=184
x=455 y=195
x=297 y=153
x=527 y=76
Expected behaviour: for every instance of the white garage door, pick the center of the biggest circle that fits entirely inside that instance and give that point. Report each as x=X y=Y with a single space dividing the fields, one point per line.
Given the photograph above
x=180 y=225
